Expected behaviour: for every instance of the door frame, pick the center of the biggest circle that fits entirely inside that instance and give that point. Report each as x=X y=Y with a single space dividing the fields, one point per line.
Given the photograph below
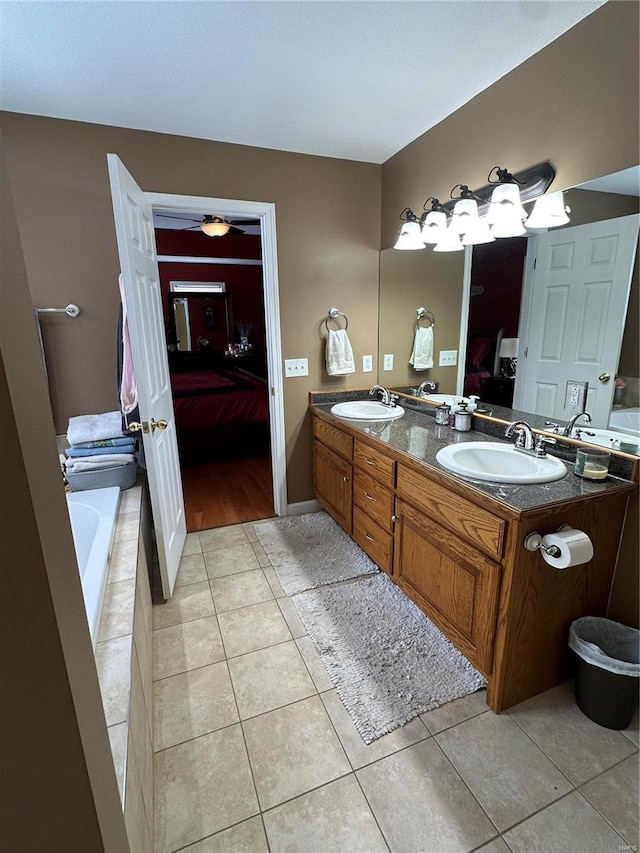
x=266 y=213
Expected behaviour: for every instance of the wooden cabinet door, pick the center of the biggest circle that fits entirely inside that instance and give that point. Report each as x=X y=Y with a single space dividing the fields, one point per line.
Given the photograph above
x=333 y=484
x=454 y=584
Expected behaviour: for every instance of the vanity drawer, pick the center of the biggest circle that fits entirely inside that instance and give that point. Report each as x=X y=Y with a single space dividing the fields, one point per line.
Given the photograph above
x=474 y=524
x=375 y=463
x=373 y=498
x=333 y=437
x=375 y=541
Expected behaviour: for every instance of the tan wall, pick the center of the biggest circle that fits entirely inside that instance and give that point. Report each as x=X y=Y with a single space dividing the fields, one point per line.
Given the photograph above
x=60 y=791
x=328 y=225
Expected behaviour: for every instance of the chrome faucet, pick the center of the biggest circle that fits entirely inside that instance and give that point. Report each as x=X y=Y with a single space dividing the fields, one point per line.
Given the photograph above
x=386 y=397
x=429 y=386
x=572 y=421
x=524 y=441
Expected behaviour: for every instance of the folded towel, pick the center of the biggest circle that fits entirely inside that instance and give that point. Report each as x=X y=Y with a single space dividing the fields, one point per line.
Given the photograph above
x=94 y=427
x=422 y=353
x=106 y=461
x=128 y=447
x=79 y=467
x=339 y=355
x=107 y=442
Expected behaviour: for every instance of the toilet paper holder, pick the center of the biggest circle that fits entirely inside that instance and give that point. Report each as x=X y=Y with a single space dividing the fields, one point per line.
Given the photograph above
x=533 y=542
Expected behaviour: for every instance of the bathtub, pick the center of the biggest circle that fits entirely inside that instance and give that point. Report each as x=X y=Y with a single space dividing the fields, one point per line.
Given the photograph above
x=93 y=514
x=625 y=420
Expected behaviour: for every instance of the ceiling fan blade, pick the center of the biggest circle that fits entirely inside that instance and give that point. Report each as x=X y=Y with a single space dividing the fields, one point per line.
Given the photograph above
x=234 y=230
x=173 y=216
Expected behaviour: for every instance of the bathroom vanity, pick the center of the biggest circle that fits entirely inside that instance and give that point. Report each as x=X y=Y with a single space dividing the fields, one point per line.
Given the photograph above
x=455 y=546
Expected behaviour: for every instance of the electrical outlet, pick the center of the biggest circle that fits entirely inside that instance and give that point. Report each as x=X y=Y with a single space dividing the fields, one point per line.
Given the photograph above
x=296 y=367
x=367 y=363
x=448 y=357
x=576 y=395
x=387 y=363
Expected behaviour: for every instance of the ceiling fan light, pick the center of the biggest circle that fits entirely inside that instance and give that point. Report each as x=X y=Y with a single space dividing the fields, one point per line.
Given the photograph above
x=409 y=238
x=549 y=211
x=215 y=227
x=450 y=242
x=434 y=227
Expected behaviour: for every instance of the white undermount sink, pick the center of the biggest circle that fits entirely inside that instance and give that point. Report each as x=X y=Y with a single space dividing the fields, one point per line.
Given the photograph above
x=367 y=410
x=499 y=463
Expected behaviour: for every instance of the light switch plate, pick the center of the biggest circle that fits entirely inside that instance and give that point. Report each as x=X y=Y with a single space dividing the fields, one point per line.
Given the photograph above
x=387 y=363
x=367 y=363
x=448 y=357
x=296 y=367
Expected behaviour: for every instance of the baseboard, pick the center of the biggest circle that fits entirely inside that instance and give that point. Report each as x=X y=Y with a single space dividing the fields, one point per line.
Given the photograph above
x=302 y=507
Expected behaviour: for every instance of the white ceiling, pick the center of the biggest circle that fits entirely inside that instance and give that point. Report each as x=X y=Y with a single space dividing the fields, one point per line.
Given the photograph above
x=356 y=80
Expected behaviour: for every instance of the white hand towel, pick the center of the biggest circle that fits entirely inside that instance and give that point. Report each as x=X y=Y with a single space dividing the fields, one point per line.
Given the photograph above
x=339 y=355
x=94 y=463
x=422 y=353
x=94 y=427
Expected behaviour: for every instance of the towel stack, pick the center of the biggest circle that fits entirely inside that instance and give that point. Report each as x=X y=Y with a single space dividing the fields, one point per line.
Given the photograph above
x=97 y=442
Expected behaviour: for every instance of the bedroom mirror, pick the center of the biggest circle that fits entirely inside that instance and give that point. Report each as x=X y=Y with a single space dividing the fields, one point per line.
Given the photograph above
x=410 y=279
x=199 y=323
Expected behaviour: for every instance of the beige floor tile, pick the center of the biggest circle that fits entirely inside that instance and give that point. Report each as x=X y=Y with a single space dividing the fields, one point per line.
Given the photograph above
x=189 y=602
x=127 y=527
x=314 y=664
x=240 y=590
x=202 y=787
x=615 y=794
x=261 y=554
x=117 y=610
x=123 y=561
x=422 y=804
x=508 y=774
x=113 y=662
x=192 y=545
x=293 y=750
x=251 y=628
x=293 y=620
x=495 y=846
x=186 y=646
x=274 y=583
x=192 y=704
x=130 y=499
x=249 y=529
x=230 y=561
x=333 y=819
x=579 y=747
x=223 y=537
x=455 y=712
x=357 y=750
x=569 y=824
x=269 y=678
x=246 y=837
x=632 y=731
x=191 y=570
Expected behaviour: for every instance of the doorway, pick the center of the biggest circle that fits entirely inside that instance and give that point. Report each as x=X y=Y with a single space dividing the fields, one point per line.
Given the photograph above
x=220 y=303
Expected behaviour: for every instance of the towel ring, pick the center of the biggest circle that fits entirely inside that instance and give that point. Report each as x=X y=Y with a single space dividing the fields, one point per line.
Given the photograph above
x=333 y=313
x=423 y=314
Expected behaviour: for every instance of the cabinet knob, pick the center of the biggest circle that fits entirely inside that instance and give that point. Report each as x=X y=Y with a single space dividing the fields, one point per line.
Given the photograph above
x=367 y=536
x=345 y=479
x=369 y=461
x=369 y=497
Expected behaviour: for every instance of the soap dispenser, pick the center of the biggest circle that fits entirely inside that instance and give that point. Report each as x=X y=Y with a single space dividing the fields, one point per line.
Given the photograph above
x=473 y=402
x=462 y=421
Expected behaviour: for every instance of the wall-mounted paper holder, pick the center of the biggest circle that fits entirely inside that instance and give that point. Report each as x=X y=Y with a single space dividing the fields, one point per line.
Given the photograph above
x=533 y=542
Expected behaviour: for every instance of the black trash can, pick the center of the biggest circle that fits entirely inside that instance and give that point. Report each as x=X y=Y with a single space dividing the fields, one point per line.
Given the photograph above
x=607 y=670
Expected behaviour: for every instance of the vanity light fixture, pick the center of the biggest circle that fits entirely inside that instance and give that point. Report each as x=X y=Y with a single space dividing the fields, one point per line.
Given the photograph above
x=549 y=211
x=435 y=222
x=466 y=220
x=409 y=237
x=450 y=242
x=505 y=214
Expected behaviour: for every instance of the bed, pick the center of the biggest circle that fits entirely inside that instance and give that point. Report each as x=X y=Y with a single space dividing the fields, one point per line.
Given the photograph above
x=220 y=412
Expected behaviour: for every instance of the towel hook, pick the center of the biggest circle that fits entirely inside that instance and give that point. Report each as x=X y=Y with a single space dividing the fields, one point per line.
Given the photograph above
x=423 y=314
x=333 y=313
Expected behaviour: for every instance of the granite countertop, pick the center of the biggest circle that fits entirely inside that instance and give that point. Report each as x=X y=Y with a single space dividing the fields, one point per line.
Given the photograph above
x=417 y=434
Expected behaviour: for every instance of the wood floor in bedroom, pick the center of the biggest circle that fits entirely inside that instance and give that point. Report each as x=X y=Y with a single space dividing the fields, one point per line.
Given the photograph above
x=229 y=492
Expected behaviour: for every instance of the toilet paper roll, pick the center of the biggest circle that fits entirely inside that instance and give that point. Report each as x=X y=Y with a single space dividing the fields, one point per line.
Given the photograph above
x=575 y=548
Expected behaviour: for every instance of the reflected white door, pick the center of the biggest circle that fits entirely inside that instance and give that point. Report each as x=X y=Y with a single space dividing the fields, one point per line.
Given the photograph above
x=577 y=311
x=137 y=252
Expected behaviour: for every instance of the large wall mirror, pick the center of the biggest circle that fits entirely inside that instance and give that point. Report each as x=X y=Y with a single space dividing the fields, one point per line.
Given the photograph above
x=490 y=294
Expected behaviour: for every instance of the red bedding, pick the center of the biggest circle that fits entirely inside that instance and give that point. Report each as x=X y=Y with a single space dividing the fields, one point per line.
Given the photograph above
x=210 y=399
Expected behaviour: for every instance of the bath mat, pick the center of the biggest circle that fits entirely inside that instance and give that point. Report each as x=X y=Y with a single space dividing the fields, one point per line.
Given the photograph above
x=308 y=551
x=388 y=662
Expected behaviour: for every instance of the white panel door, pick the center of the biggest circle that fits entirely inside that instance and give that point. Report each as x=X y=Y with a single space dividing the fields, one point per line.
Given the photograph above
x=578 y=306
x=137 y=251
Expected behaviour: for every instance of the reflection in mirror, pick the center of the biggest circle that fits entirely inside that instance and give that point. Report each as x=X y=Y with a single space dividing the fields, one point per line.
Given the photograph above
x=200 y=323
x=410 y=279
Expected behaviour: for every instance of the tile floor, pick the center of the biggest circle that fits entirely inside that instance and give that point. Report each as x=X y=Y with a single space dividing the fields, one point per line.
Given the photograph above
x=255 y=752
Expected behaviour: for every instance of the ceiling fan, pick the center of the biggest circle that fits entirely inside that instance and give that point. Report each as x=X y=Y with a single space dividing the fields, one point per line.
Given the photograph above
x=213 y=226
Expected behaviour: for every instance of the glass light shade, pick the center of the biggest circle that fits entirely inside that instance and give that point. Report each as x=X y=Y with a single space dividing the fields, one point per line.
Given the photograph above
x=215 y=229
x=508 y=348
x=507 y=223
x=505 y=197
x=478 y=233
x=450 y=242
x=410 y=238
x=434 y=227
x=548 y=212
x=465 y=215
